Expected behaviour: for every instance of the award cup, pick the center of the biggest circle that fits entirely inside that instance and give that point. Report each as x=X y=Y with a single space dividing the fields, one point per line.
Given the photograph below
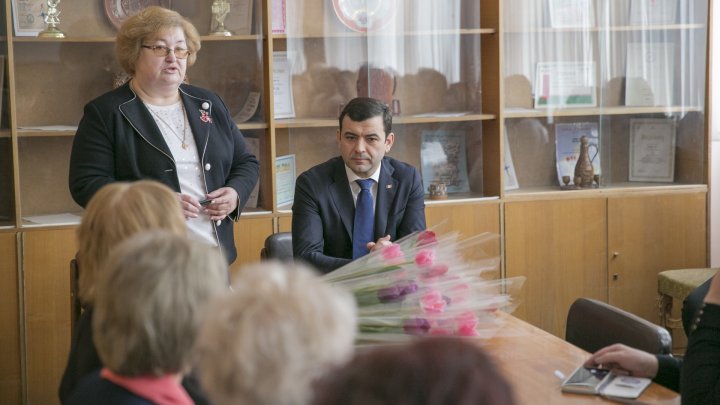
x=220 y=10
x=52 y=21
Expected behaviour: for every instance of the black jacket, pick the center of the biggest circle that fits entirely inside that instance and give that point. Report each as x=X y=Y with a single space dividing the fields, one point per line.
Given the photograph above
x=118 y=140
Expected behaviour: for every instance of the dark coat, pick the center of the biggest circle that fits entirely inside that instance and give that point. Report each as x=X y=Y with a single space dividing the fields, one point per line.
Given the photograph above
x=323 y=210
x=118 y=140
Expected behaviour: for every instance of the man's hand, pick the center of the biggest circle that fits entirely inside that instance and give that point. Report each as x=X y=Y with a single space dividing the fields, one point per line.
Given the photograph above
x=382 y=242
x=625 y=360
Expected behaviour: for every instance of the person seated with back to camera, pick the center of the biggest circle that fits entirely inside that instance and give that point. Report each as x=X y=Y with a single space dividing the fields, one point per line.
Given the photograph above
x=427 y=371
x=116 y=212
x=360 y=200
x=279 y=329
x=664 y=369
x=148 y=305
x=700 y=377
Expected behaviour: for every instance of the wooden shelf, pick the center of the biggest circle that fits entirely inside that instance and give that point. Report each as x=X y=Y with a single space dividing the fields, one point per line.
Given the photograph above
x=203 y=38
x=616 y=189
x=5 y=133
x=398 y=120
x=620 y=28
x=577 y=112
x=466 y=31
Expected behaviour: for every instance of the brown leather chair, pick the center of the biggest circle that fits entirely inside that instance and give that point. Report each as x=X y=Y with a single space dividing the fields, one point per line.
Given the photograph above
x=592 y=325
x=278 y=246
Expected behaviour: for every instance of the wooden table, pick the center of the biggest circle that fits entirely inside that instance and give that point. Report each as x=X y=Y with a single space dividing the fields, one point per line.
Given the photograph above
x=529 y=356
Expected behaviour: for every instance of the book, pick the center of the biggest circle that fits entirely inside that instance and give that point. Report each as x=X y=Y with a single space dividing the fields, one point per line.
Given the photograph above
x=649 y=74
x=444 y=160
x=652 y=149
x=511 y=181
x=253 y=145
x=567 y=147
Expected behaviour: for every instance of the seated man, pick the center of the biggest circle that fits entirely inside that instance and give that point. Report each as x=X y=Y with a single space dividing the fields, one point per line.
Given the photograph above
x=352 y=203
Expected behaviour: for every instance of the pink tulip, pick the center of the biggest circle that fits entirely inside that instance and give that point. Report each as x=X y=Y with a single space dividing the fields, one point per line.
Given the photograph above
x=426 y=238
x=433 y=302
x=466 y=324
x=393 y=254
x=425 y=258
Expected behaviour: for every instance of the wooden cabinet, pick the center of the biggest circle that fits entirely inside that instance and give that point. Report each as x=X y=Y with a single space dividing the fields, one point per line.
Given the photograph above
x=646 y=235
x=598 y=76
x=45 y=320
x=560 y=246
x=10 y=382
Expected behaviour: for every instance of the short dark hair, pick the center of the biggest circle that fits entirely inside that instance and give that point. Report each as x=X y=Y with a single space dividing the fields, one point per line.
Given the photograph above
x=363 y=108
x=428 y=371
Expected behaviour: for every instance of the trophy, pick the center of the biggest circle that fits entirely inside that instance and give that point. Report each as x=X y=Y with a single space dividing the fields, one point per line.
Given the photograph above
x=220 y=10
x=52 y=21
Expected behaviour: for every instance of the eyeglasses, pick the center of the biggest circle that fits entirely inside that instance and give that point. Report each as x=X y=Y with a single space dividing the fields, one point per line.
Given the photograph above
x=163 y=51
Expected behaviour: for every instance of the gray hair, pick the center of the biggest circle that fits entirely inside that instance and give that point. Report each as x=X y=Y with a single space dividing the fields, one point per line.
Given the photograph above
x=266 y=342
x=149 y=301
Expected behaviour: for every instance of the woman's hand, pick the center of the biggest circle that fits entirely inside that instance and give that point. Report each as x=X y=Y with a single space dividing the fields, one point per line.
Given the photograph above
x=190 y=206
x=224 y=201
x=625 y=360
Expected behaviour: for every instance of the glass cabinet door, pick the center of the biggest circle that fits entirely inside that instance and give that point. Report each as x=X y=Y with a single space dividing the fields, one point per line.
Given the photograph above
x=55 y=78
x=628 y=75
x=422 y=58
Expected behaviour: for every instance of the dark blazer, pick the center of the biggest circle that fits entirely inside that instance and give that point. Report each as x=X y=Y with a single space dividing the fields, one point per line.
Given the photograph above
x=118 y=140
x=323 y=210
x=84 y=363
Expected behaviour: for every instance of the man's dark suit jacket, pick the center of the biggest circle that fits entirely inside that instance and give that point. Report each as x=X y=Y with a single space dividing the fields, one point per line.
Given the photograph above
x=118 y=140
x=324 y=210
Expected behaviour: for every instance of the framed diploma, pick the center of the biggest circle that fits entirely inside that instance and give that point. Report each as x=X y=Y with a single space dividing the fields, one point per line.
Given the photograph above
x=652 y=149
x=284 y=106
x=565 y=85
x=571 y=13
x=285 y=179
x=28 y=17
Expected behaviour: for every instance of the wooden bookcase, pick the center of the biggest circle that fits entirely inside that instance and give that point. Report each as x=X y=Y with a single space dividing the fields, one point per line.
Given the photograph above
x=451 y=61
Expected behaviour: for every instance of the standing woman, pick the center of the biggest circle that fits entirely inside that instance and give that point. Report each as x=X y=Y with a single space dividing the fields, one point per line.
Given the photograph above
x=156 y=127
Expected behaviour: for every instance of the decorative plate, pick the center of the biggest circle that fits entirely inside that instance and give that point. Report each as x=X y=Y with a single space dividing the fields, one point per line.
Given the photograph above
x=119 y=10
x=364 y=15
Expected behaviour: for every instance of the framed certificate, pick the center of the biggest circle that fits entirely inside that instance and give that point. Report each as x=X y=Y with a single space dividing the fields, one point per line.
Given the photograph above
x=565 y=84
x=652 y=12
x=571 y=13
x=278 y=17
x=284 y=106
x=285 y=179
x=652 y=149
x=29 y=17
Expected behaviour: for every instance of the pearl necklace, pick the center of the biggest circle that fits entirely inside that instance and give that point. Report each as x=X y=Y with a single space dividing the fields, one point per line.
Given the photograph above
x=182 y=139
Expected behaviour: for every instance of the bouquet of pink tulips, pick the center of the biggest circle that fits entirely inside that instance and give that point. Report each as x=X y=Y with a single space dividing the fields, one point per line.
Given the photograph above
x=429 y=285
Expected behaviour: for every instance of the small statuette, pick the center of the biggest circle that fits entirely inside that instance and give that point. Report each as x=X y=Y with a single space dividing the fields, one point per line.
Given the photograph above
x=52 y=20
x=220 y=10
x=438 y=191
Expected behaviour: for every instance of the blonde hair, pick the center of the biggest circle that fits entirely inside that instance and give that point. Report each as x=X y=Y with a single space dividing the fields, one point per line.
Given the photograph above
x=116 y=212
x=145 y=24
x=280 y=329
x=151 y=293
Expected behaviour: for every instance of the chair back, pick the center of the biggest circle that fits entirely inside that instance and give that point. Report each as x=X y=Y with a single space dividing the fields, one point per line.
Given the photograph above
x=278 y=246
x=75 y=306
x=592 y=325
